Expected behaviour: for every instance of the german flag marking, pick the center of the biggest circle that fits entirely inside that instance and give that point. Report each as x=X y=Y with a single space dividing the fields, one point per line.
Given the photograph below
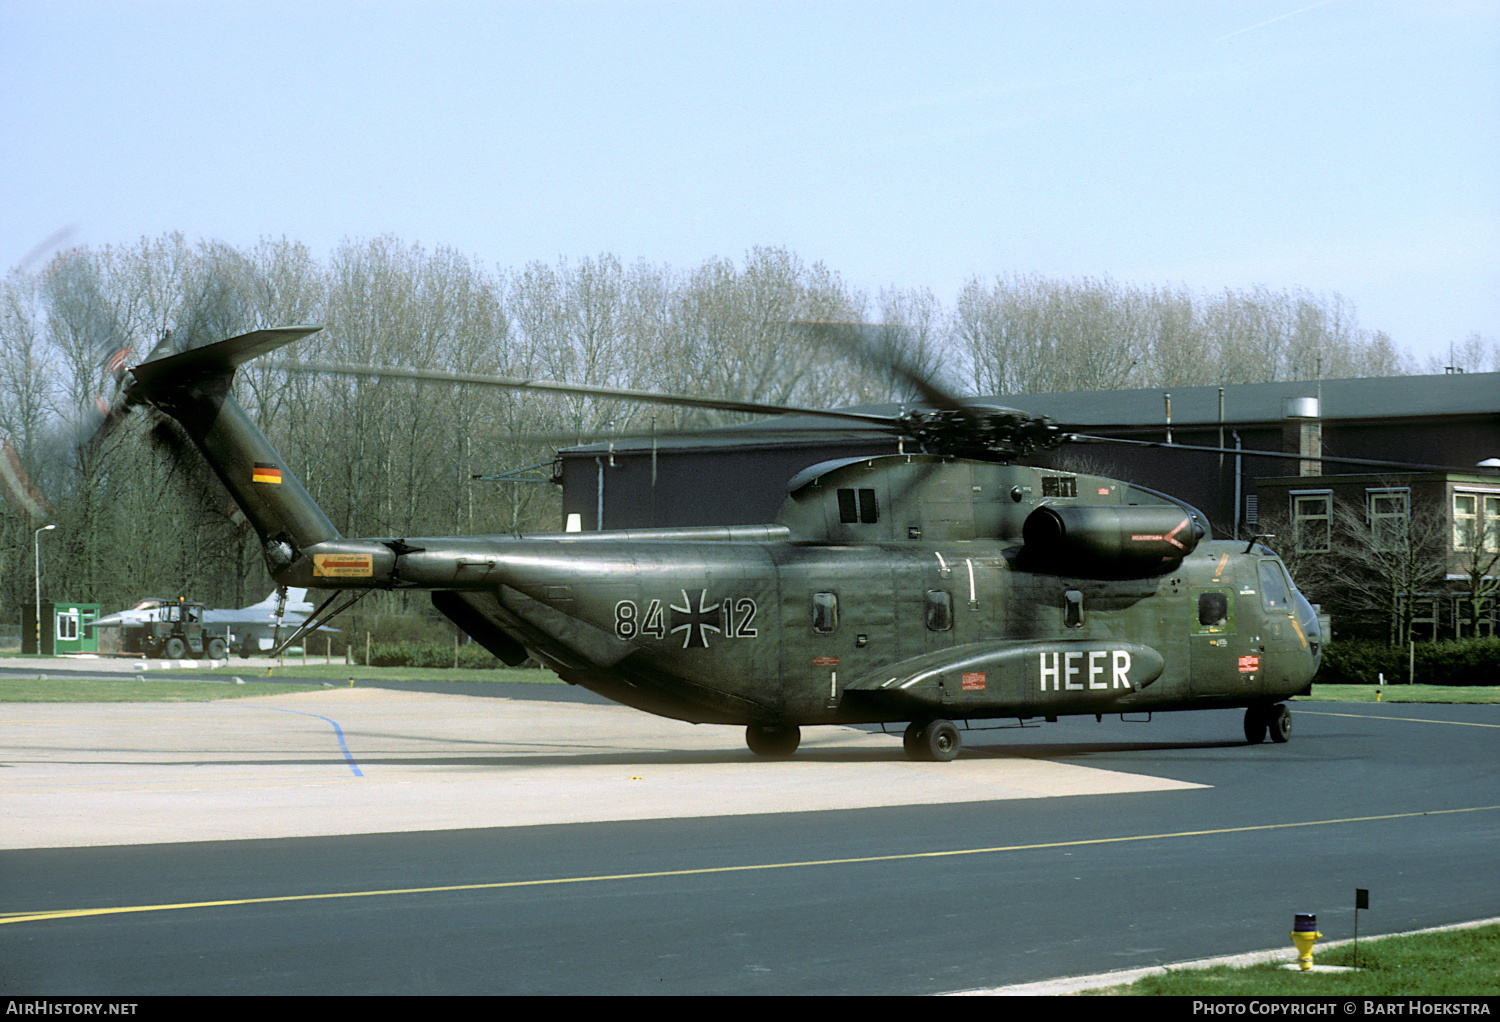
x=266 y=472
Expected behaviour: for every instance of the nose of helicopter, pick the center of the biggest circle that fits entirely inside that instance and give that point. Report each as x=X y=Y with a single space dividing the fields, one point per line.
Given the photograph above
x=1307 y=620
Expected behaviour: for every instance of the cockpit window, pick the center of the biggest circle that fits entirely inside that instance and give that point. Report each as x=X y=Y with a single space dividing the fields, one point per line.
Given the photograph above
x=1275 y=592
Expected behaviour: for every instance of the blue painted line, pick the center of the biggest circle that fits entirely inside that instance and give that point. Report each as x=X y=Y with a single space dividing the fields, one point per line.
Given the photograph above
x=348 y=757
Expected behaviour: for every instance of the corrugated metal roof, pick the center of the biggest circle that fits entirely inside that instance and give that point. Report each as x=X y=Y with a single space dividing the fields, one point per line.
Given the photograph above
x=1390 y=397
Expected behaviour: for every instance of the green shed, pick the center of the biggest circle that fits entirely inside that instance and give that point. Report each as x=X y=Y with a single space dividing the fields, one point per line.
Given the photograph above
x=65 y=628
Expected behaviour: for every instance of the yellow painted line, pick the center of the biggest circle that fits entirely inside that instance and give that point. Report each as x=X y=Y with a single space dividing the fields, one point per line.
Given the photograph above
x=29 y=917
x=1381 y=716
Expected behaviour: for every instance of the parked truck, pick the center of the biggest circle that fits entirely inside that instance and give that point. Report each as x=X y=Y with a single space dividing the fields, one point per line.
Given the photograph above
x=173 y=629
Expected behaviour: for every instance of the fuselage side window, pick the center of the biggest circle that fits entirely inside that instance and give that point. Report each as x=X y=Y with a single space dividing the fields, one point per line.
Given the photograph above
x=1073 y=609
x=939 y=607
x=825 y=612
x=1213 y=611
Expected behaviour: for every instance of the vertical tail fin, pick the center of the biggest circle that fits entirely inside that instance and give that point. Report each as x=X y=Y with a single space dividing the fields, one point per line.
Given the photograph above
x=294 y=596
x=193 y=387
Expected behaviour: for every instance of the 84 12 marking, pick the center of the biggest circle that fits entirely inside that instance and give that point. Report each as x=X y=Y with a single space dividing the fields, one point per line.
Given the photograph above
x=732 y=618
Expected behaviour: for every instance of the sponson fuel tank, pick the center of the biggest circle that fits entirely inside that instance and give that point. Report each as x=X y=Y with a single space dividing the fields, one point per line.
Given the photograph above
x=1142 y=536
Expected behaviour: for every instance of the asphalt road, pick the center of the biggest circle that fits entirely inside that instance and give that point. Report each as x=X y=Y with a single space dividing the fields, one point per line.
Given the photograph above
x=905 y=898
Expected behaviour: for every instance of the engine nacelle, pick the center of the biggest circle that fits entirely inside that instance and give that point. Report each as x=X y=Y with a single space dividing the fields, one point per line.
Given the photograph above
x=1112 y=538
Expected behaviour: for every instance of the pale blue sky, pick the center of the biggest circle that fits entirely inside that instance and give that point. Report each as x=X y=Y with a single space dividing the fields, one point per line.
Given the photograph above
x=1348 y=146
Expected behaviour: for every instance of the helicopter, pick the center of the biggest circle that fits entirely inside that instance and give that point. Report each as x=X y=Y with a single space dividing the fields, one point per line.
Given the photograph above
x=936 y=588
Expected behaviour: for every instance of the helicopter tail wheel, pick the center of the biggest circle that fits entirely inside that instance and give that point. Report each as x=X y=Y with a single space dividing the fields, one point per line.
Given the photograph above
x=1279 y=720
x=771 y=740
x=1256 y=721
x=934 y=741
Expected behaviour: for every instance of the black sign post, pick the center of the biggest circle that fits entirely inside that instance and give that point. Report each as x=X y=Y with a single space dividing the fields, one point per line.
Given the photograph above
x=1361 y=900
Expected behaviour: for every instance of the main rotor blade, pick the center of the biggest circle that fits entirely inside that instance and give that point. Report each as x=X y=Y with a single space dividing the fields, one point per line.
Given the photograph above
x=853 y=339
x=1372 y=462
x=646 y=396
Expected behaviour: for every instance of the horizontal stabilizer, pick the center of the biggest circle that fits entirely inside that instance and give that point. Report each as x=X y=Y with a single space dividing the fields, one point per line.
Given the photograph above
x=212 y=359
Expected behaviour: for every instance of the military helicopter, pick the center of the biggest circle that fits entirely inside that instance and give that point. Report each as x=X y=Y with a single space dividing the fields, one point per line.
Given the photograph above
x=936 y=588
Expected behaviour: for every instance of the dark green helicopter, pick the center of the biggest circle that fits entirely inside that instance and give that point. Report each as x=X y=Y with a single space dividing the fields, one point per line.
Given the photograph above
x=931 y=588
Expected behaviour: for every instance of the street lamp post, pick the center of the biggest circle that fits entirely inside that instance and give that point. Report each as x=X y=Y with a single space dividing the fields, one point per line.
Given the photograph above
x=36 y=553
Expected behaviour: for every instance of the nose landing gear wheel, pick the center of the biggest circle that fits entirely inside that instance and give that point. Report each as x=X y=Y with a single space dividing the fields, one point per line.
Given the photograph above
x=1255 y=724
x=1279 y=721
x=1273 y=720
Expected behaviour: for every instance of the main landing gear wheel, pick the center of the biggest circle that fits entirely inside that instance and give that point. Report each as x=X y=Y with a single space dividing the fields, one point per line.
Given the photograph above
x=935 y=741
x=771 y=740
x=1255 y=724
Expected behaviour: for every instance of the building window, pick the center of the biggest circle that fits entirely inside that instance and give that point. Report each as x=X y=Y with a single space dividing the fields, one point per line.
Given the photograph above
x=1465 y=520
x=1476 y=521
x=1312 y=522
x=67 y=625
x=1388 y=512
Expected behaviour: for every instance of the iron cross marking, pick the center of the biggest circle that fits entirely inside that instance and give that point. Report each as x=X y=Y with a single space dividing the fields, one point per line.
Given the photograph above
x=696 y=623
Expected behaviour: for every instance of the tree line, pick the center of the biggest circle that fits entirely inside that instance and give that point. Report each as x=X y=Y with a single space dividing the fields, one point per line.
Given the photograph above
x=397 y=457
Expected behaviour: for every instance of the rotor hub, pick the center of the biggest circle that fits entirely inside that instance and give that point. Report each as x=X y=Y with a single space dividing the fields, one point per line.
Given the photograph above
x=981 y=431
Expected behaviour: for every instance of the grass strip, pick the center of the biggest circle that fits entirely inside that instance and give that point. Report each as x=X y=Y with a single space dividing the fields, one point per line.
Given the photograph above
x=343 y=672
x=153 y=688
x=1449 y=963
x=1405 y=693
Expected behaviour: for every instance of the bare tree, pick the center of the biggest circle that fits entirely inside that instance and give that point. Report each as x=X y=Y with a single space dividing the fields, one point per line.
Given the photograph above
x=1383 y=559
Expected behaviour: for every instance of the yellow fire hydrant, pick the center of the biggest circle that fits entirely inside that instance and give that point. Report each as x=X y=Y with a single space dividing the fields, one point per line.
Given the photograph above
x=1304 y=935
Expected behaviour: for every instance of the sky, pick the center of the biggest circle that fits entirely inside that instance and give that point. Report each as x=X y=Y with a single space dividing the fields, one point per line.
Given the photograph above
x=1346 y=147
